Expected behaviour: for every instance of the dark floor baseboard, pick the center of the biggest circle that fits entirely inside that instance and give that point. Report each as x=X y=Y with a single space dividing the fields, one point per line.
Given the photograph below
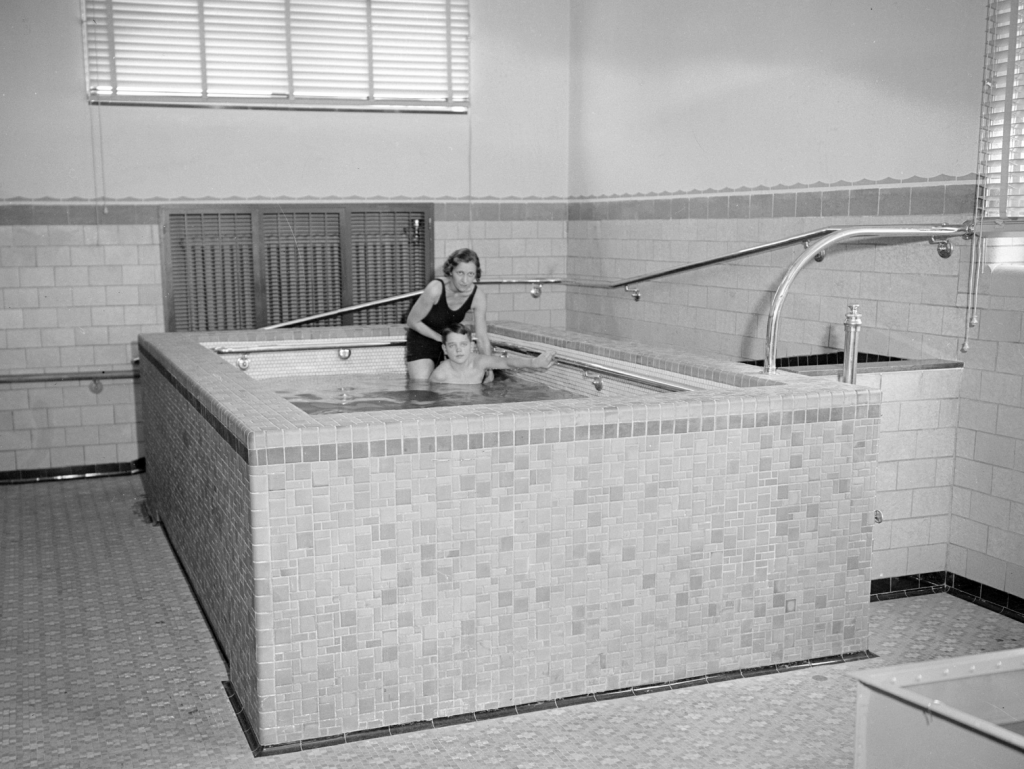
x=260 y=751
x=999 y=601
x=881 y=590
x=75 y=473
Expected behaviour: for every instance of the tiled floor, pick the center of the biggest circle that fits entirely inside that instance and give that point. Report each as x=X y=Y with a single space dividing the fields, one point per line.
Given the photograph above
x=105 y=661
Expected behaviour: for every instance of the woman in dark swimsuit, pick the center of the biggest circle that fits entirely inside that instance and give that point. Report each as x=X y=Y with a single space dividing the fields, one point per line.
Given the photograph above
x=444 y=302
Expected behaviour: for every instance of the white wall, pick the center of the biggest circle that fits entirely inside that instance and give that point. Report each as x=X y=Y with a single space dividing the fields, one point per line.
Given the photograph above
x=53 y=142
x=670 y=96
x=665 y=96
x=860 y=97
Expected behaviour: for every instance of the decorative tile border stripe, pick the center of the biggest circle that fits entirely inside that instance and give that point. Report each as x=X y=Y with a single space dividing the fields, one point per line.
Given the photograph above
x=73 y=473
x=260 y=751
x=987 y=597
x=502 y=211
x=77 y=214
x=948 y=199
x=945 y=195
x=331 y=452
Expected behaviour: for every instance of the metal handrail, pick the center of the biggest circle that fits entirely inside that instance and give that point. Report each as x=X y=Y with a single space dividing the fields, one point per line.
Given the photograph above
x=743 y=252
x=319 y=344
x=626 y=376
x=343 y=310
x=825 y=238
x=938 y=234
x=578 y=282
x=78 y=376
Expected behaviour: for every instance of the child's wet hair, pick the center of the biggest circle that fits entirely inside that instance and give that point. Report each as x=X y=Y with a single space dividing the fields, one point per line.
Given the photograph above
x=455 y=328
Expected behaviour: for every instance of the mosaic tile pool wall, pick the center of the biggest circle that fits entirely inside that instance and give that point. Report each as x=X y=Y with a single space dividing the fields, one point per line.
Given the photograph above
x=382 y=568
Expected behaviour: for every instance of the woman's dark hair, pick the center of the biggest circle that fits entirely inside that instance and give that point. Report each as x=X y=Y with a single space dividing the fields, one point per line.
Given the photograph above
x=455 y=328
x=461 y=255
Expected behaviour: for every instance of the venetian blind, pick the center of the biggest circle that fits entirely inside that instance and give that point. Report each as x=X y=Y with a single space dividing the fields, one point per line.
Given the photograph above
x=1002 y=161
x=297 y=54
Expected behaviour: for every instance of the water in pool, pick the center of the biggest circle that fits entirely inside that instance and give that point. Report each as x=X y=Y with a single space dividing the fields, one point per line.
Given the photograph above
x=384 y=392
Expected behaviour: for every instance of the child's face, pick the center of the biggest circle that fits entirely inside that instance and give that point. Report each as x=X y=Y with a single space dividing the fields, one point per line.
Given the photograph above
x=458 y=347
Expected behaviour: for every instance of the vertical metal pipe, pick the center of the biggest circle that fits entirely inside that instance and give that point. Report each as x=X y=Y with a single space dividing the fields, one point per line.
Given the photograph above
x=853 y=323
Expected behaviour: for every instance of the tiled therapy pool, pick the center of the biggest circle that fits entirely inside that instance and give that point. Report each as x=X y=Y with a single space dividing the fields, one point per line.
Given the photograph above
x=374 y=569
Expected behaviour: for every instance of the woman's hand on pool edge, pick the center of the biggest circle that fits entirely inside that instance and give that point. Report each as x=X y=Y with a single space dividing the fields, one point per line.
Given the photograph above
x=545 y=360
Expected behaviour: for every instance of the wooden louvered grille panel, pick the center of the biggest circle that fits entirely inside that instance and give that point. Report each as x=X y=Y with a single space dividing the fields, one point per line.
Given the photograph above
x=388 y=257
x=247 y=267
x=212 y=271
x=303 y=253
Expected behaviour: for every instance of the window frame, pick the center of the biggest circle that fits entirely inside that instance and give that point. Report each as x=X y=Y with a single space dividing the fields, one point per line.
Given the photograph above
x=260 y=288
x=400 y=53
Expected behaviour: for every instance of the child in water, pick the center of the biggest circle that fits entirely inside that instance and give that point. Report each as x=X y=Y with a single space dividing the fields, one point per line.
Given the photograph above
x=466 y=366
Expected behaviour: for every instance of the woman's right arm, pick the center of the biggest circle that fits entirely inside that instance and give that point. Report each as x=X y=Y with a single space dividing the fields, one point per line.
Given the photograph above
x=421 y=308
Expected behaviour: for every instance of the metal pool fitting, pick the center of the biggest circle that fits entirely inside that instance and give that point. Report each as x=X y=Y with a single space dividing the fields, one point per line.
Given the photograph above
x=943 y=247
x=853 y=324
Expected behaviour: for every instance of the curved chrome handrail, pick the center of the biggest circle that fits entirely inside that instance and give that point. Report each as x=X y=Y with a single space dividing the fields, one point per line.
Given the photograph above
x=935 y=233
x=536 y=283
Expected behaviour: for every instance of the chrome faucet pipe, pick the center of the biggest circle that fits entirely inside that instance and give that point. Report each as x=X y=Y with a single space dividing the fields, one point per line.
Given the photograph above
x=853 y=323
x=897 y=232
